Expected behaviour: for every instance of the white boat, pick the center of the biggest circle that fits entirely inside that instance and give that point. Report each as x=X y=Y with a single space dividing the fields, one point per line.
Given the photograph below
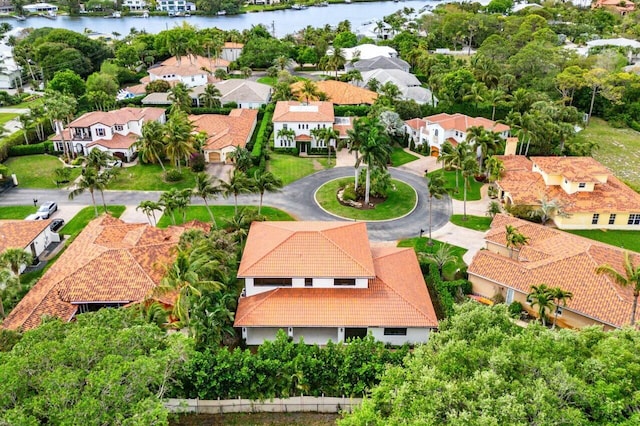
x=296 y=7
x=145 y=14
x=322 y=4
x=347 y=1
x=222 y=12
x=116 y=14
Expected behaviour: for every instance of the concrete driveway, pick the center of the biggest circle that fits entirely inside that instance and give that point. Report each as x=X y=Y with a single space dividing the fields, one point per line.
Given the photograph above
x=219 y=170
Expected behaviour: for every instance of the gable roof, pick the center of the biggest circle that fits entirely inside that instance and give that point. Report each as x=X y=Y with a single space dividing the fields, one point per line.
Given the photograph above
x=234 y=129
x=398 y=77
x=195 y=61
x=575 y=169
x=397 y=297
x=416 y=123
x=282 y=249
x=293 y=111
x=238 y=90
x=20 y=233
x=559 y=259
x=381 y=62
x=462 y=122
x=118 y=116
x=109 y=261
x=340 y=93
x=118 y=141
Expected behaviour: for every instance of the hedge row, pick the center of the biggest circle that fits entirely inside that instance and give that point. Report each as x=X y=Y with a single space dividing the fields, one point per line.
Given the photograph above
x=17 y=138
x=446 y=290
x=350 y=110
x=264 y=131
x=33 y=149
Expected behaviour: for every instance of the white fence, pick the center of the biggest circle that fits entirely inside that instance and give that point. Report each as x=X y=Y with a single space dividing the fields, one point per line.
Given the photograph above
x=320 y=404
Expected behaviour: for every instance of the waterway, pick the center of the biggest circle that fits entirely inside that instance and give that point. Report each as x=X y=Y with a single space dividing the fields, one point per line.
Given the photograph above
x=281 y=22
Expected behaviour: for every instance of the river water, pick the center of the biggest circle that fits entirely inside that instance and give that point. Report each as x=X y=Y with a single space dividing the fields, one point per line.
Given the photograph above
x=282 y=22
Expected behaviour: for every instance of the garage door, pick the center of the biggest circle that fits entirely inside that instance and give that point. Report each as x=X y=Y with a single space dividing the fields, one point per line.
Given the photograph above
x=214 y=157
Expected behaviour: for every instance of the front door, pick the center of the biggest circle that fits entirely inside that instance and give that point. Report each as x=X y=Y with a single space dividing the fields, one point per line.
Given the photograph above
x=303 y=147
x=509 y=298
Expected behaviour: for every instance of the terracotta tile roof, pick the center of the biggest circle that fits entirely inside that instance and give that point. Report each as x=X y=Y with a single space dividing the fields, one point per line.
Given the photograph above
x=462 y=122
x=527 y=187
x=196 y=61
x=118 y=141
x=627 y=6
x=416 y=123
x=339 y=93
x=343 y=128
x=109 y=261
x=277 y=249
x=232 y=45
x=232 y=130
x=303 y=138
x=293 y=111
x=575 y=169
x=118 y=116
x=559 y=259
x=20 y=233
x=66 y=133
x=397 y=297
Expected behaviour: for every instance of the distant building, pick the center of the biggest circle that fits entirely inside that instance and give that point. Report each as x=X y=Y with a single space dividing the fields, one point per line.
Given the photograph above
x=339 y=93
x=34 y=236
x=175 y=6
x=302 y=118
x=379 y=62
x=408 y=84
x=621 y=7
x=48 y=8
x=366 y=51
x=231 y=51
x=375 y=30
x=135 y=4
x=190 y=70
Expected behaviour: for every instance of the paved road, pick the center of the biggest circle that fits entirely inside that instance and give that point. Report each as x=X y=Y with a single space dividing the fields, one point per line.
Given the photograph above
x=297 y=199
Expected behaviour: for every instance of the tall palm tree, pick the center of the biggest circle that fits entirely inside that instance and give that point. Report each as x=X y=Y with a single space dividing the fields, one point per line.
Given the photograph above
x=375 y=152
x=180 y=98
x=241 y=157
x=356 y=137
x=98 y=159
x=541 y=296
x=26 y=122
x=631 y=278
x=336 y=60
x=205 y=189
x=169 y=202
x=102 y=182
x=150 y=145
x=178 y=138
x=515 y=239
x=437 y=190
x=149 y=208
x=14 y=259
x=59 y=108
x=469 y=169
x=559 y=296
x=210 y=97
x=88 y=181
x=329 y=134
x=494 y=97
x=309 y=90
x=264 y=181
x=238 y=184
x=289 y=135
x=441 y=257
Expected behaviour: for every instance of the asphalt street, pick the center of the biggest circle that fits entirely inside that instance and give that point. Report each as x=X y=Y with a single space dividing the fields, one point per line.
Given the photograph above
x=297 y=199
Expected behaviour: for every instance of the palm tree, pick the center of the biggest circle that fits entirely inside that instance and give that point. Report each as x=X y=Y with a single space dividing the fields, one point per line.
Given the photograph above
x=59 y=108
x=494 y=168
x=241 y=157
x=515 y=239
x=88 y=181
x=205 y=189
x=178 y=138
x=289 y=135
x=264 y=181
x=441 y=257
x=309 y=90
x=330 y=134
x=548 y=209
x=26 y=121
x=238 y=184
x=375 y=151
x=7 y=279
x=494 y=97
x=102 y=182
x=631 y=278
x=98 y=159
x=151 y=145
x=210 y=97
x=542 y=297
x=14 y=259
x=469 y=169
x=149 y=208
x=437 y=190
x=180 y=98
x=356 y=137
x=336 y=60
x=169 y=202
x=559 y=296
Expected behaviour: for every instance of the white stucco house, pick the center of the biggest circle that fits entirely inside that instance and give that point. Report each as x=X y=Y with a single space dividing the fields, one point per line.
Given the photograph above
x=175 y=6
x=437 y=129
x=302 y=118
x=379 y=62
x=375 y=30
x=113 y=131
x=135 y=4
x=231 y=51
x=366 y=51
x=34 y=236
x=408 y=84
x=190 y=70
x=323 y=281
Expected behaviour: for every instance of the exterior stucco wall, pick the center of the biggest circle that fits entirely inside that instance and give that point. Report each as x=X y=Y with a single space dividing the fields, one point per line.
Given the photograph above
x=414 y=336
x=315 y=335
x=251 y=289
x=583 y=221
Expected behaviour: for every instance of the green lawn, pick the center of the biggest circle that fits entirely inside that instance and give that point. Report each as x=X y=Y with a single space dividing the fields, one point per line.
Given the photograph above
x=271 y=81
x=222 y=214
x=149 y=177
x=86 y=215
x=290 y=168
x=29 y=104
x=619 y=150
x=6 y=116
x=473 y=191
x=36 y=171
x=399 y=157
x=477 y=223
x=626 y=239
x=420 y=246
x=16 y=212
x=398 y=203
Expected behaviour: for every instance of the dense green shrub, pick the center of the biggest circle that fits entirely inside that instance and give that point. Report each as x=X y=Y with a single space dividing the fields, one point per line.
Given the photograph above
x=137 y=101
x=350 y=110
x=197 y=163
x=349 y=193
x=8 y=339
x=261 y=137
x=172 y=175
x=515 y=308
x=221 y=111
x=447 y=291
x=20 y=150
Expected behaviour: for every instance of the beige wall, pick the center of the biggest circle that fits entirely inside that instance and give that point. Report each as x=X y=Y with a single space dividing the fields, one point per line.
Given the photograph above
x=583 y=221
x=510 y=147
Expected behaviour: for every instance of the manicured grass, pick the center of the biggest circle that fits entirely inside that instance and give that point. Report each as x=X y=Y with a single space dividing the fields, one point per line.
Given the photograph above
x=36 y=171
x=398 y=203
x=399 y=157
x=473 y=191
x=6 y=116
x=619 y=149
x=420 y=246
x=149 y=177
x=271 y=81
x=477 y=223
x=629 y=240
x=222 y=214
x=29 y=104
x=290 y=168
x=16 y=212
x=86 y=215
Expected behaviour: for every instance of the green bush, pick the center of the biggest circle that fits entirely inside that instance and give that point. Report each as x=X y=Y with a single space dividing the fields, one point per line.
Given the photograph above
x=261 y=137
x=221 y=111
x=172 y=175
x=515 y=308
x=350 y=110
x=447 y=290
x=349 y=193
x=8 y=339
x=197 y=163
x=20 y=150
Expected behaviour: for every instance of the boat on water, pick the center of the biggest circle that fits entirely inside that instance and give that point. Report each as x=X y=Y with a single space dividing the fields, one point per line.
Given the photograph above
x=115 y=14
x=21 y=18
x=145 y=14
x=299 y=6
x=222 y=12
x=347 y=1
x=323 y=4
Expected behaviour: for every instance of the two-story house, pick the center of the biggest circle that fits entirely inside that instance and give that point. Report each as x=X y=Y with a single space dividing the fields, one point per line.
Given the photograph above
x=324 y=281
x=173 y=6
x=34 y=236
x=231 y=51
x=590 y=195
x=301 y=118
x=113 y=131
x=225 y=132
x=191 y=70
x=437 y=129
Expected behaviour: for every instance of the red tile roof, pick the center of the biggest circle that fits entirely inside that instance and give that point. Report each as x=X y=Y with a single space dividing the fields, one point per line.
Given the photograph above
x=397 y=297
x=339 y=93
x=559 y=259
x=297 y=112
x=462 y=122
x=118 y=116
x=416 y=123
x=20 y=233
x=109 y=261
x=118 y=141
x=234 y=129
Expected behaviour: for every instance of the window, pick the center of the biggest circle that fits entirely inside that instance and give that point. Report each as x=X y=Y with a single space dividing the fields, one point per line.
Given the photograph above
x=308 y=282
x=634 y=219
x=395 y=331
x=278 y=282
x=435 y=132
x=284 y=126
x=344 y=281
x=559 y=311
x=594 y=219
x=119 y=127
x=582 y=185
x=100 y=132
x=612 y=218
